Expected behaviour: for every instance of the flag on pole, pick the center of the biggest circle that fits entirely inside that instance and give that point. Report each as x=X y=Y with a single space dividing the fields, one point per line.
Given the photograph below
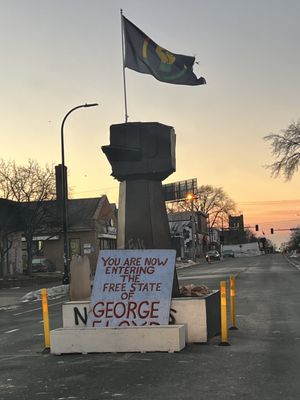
x=145 y=56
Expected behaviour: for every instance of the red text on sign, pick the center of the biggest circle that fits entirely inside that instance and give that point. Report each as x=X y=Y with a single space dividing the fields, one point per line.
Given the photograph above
x=131 y=309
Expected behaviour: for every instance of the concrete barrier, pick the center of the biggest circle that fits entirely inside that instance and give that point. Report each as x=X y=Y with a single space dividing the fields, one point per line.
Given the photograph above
x=166 y=338
x=201 y=315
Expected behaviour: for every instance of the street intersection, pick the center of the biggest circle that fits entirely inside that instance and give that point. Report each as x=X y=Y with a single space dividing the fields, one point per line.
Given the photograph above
x=262 y=362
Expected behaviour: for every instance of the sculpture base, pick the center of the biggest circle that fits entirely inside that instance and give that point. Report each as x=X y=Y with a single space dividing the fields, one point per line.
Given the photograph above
x=200 y=315
x=167 y=338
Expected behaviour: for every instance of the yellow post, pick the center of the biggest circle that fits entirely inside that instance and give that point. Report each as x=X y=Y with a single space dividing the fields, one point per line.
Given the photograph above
x=224 y=333
x=46 y=318
x=232 y=303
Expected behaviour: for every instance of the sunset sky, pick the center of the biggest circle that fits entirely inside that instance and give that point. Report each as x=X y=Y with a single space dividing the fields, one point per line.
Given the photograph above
x=57 y=54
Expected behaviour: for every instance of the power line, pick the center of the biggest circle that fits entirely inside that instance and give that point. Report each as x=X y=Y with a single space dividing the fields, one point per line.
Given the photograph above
x=274 y=221
x=254 y=202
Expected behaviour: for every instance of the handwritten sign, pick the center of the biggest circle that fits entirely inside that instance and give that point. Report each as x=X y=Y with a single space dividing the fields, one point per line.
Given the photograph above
x=132 y=288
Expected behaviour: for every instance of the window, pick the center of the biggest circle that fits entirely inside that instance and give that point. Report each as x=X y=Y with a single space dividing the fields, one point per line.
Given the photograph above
x=38 y=248
x=75 y=248
x=107 y=244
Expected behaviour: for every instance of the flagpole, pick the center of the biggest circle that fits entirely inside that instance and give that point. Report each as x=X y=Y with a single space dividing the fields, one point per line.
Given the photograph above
x=123 y=57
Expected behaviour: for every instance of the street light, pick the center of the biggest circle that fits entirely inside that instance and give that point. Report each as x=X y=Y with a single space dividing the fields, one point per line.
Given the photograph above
x=66 y=279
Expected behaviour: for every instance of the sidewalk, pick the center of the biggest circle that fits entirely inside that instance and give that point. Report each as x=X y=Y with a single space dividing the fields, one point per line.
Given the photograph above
x=21 y=280
x=188 y=263
x=295 y=262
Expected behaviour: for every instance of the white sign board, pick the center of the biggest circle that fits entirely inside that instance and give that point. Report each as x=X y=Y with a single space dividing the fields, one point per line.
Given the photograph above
x=132 y=288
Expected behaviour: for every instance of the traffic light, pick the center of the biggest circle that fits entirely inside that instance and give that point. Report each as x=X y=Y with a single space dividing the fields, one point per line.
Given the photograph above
x=272 y=231
x=256 y=228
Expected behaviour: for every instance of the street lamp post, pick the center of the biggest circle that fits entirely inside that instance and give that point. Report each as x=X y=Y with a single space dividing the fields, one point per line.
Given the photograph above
x=66 y=279
x=210 y=238
x=222 y=241
x=192 y=197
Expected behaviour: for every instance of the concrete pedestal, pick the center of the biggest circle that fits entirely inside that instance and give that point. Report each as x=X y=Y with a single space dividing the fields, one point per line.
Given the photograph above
x=201 y=315
x=166 y=338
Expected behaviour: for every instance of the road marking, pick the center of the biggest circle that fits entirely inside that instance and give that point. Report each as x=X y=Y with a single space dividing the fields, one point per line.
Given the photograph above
x=11 y=331
x=28 y=311
x=11 y=357
x=36 y=309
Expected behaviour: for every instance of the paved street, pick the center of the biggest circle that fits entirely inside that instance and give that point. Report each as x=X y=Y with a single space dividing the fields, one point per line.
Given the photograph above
x=263 y=361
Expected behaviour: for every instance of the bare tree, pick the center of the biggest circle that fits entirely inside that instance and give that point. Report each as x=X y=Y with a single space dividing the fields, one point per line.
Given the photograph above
x=30 y=186
x=211 y=200
x=294 y=240
x=216 y=203
x=286 y=149
x=250 y=237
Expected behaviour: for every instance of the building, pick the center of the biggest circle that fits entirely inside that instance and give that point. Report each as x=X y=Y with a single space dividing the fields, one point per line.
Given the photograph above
x=10 y=238
x=180 y=224
x=235 y=233
x=92 y=225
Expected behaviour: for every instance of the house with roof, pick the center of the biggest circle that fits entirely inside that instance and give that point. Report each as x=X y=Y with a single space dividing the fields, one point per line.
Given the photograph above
x=92 y=225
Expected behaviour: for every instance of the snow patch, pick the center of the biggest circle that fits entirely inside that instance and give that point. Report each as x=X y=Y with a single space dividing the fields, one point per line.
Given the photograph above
x=54 y=292
x=7 y=308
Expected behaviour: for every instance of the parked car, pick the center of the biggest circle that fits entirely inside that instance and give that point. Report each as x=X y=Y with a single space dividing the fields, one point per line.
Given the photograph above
x=43 y=265
x=228 y=253
x=213 y=255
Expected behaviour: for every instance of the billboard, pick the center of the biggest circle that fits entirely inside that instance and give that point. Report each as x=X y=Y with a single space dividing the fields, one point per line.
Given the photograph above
x=179 y=190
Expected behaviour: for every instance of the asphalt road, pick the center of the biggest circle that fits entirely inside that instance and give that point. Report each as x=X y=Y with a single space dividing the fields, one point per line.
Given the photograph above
x=263 y=361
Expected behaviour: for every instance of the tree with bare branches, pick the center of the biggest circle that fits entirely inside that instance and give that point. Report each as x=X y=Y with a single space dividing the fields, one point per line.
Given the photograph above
x=30 y=186
x=286 y=149
x=294 y=240
x=210 y=200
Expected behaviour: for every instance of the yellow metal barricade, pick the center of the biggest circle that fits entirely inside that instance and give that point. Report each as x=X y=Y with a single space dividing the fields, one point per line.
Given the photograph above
x=46 y=319
x=232 y=304
x=224 y=332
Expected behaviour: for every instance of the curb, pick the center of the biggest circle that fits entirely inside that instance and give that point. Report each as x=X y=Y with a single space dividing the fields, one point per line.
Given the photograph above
x=8 y=283
x=297 y=266
x=192 y=264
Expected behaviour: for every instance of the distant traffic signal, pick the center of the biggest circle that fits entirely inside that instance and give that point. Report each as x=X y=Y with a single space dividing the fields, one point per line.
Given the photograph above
x=256 y=228
x=272 y=231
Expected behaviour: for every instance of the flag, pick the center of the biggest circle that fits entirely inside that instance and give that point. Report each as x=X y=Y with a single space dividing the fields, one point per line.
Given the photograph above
x=145 y=56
